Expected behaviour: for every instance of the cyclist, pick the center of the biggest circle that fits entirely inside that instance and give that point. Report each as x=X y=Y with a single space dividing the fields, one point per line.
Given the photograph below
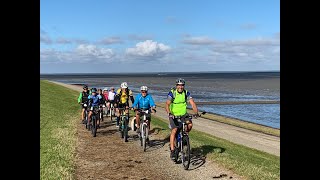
x=83 y=98
x=111 y=95
x=122 y=99
x=94 y=102
x=176 y=105
x=143 y=101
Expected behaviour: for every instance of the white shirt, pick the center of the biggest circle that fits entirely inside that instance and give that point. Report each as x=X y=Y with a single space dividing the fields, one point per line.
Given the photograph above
x=111 y=95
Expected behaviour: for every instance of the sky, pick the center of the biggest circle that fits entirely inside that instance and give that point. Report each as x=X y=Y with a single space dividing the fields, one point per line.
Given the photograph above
x=119 y=36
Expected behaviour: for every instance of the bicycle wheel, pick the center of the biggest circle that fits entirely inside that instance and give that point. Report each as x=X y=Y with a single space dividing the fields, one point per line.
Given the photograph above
x=94 y=125
x=125 y=129
x=185 y=152
x=111 y=112
x=121 y=127
x=143 y=134
x=176 y=149
x=101 y=115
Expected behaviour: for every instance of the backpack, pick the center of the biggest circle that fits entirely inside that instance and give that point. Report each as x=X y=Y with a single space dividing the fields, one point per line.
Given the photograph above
x=174 y=93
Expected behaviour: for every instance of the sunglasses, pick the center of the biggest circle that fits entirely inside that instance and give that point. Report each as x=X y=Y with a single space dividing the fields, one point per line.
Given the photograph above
x=143 y=91
x=180 y=84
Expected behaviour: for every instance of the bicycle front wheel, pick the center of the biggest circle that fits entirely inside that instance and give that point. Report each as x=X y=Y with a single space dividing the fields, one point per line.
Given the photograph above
x=185 y=152
x=144 y=137
x=94 y=126
x=125 y=129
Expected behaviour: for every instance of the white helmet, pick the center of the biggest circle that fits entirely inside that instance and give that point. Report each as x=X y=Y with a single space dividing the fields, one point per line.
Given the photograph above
x=124 y=85
x=105 y=89
x=144 y=88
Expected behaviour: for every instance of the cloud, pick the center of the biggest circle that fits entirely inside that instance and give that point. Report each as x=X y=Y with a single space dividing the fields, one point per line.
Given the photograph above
x=148 y=48
x=111 y=40
x=83 y=53
x=201 y=40
x=248 y=26
x=139 y=37
x=63 y=41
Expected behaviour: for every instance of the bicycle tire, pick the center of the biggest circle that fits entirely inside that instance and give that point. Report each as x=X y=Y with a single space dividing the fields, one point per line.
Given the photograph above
x=143 y=133
x=125 y=129
x=120 y=127
x=111 y=112
x=185 y=152
x=176 y=149
x=94 y=126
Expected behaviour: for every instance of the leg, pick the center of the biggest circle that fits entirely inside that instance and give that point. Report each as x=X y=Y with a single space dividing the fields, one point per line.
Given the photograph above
x=138 y=119
x=172 y=138
x=89 y=116
x=118 y=117
x=82 y=114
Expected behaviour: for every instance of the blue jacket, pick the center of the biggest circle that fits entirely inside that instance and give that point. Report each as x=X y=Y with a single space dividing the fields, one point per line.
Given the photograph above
x=94 y=100
x=141 y=102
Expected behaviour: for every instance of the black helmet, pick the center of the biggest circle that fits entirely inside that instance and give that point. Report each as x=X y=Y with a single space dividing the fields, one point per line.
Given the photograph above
x=85 y=87
x=180 y=81
x=94 y=90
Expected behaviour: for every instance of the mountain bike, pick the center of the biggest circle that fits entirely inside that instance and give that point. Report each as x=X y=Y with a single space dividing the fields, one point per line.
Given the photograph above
x=111 y=111
x=182 y=143
x=101 y=112
x=145 y=116
x=93 y=122
x=123 y=123
x=85 y=105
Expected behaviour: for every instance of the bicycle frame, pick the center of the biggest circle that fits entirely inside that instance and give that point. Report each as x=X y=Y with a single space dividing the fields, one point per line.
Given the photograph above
x=123 y=125
x=144 y=127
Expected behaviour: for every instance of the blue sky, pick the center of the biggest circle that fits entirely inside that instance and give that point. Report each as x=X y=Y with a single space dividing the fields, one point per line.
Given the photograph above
x=101 y=36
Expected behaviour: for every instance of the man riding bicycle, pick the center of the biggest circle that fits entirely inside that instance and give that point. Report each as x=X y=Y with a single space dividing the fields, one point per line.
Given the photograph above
x=143 y=101
x=122 y=99
x=82 y=99
x=94 y=102
x=176 y=105
x=111 y=96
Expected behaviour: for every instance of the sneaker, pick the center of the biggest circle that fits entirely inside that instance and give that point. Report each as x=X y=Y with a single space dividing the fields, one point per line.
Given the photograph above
x=117 y=125
x=84 y=121
x=172 y=155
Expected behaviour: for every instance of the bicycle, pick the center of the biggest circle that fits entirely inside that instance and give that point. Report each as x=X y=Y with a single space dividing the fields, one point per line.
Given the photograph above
x=101 y=112
x=144 y=126
x=93 y=122
x=111 y=111
x=85 y=105
x=182 y=142
x=123 y=124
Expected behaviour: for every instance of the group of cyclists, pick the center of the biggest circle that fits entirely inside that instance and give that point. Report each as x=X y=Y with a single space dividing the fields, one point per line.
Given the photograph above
x=176 y=104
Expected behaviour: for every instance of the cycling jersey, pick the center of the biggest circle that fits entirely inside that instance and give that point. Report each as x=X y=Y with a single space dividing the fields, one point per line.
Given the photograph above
x=124 y=95
x=178 y=106
x=141 y=102
x=83 y=97
x=94 y=100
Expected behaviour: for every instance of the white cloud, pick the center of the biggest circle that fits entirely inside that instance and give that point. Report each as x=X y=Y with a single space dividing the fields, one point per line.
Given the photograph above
x=148 y=48
x=63 y=41
x=201 y=40
x=111 y=40
x=83 y=53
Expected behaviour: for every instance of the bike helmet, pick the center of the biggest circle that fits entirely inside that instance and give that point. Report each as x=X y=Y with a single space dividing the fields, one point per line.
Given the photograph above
x=124 y=85
x=105 y=89
x=180 y=81
x=85 y=87
x=144 y=88
x=112 y=88
x=94 y=90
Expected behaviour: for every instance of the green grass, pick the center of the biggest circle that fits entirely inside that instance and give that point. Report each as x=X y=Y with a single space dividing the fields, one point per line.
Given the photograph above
x=59 y=113
x=244 y=161
x=237 y=122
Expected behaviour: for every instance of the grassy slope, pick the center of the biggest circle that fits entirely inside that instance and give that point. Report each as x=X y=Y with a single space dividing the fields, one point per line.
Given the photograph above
x=244 y=161
x=59 y=113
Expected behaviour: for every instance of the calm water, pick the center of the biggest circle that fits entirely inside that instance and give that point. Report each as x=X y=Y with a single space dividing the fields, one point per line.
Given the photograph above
x=206 y=87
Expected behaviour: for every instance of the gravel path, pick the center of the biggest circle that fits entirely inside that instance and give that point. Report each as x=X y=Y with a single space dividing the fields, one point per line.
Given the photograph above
x=107 y=156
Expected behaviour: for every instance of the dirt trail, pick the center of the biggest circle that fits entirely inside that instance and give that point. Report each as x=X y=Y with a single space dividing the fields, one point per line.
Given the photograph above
x=107 y=156
x=253 y=139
